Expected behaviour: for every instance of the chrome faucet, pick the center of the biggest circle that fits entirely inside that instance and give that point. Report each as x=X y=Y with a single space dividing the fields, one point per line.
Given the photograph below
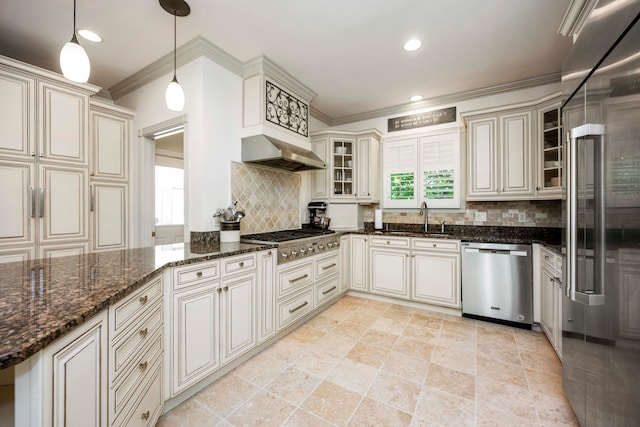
x=424 y=210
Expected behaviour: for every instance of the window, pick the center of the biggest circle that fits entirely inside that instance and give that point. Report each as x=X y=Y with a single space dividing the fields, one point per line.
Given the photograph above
x=438 y=184
x=402 y=186
x=400 y=173
x=169 y=209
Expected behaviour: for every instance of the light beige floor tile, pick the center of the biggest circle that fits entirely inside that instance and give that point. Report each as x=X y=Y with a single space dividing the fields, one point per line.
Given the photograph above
x=365 y=320
x=405 y=366
x=507 y=353
x=454 y=359
x=487 y=416
x=460 y=319
x=336 y=345
x=225 y=395
x=459 y=328
x=423 y=333
x=332 y=403
x=287 y=349
x=260 y=369
x=262 y=409
x=395 y=391
x=546 y=362
x=439 y=407
x=496 y=336
x=454 y=341
x=189 y=414
x=511 y=399
x=307 y=334
x=350 y=330
x=352 y=375
x=371 y=310
x=369 y=355
x=378 y=339
x=374 y=414
x=391 y=326
x=302 y=418
x=397 y=315
x=337 y=313
x=455 y=382
x=415 y=348
x=502 y=372
x=293 y=385
x=554 y=411
x=423 y=321
x=317 y=362
x=323 y=323
x=542 y=382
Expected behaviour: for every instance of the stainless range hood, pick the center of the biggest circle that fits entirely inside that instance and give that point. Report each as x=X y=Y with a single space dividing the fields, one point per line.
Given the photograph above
x=268 y=151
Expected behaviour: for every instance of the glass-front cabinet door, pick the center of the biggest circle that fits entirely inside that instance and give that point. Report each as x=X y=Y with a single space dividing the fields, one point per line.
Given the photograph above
x=551 y=156
x=342 y=172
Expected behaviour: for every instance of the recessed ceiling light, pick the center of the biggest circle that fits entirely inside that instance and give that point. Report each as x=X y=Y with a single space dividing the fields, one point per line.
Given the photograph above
x=412 y=45
x=89 y=35
x=415 y=98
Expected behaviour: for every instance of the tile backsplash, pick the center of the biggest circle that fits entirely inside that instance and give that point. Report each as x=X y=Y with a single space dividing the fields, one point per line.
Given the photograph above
x=269 y=198
x=536 y=213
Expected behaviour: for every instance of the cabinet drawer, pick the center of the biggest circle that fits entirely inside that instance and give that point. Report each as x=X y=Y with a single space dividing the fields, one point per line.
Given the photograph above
x=124 y=391
x=149 y=405
x=395 y=242
x=238 y=264
x=128 y=311
x=294 y=278
x=183 y=276
x=295 y=308
x=436 y=244
x=327 y=290
x=134 y=341
x=327 y=266
x=548 y=259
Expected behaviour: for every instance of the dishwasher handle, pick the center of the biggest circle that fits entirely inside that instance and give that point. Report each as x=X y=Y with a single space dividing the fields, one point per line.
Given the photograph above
x=496 y=252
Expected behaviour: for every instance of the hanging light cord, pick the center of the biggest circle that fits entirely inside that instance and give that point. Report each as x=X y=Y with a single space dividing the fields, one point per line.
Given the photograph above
x=73 y=37
x=175 y=36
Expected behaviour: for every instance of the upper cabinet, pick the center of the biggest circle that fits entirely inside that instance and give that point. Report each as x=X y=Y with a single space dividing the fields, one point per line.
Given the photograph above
x=17 y=115
x=500 y=156
x=109 y=148
x=423 y=167
x=353 y=163
x=550 y=162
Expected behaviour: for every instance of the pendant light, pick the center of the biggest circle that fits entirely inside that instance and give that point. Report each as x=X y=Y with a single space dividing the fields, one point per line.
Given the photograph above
x=74 y=61
x=174 y=95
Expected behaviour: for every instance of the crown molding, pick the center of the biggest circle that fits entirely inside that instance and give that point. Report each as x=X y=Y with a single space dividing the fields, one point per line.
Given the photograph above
x=186 y=53
x=262 y=64
x=443 y=100
x=317 y=114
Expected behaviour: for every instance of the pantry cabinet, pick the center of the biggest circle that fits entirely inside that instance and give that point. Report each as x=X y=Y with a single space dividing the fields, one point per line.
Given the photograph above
x=108 y=208
x=500 y=156
x=353 y=163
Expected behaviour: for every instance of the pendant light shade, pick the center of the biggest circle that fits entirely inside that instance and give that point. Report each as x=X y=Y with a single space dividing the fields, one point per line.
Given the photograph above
x=74 y=61
x=174 y=95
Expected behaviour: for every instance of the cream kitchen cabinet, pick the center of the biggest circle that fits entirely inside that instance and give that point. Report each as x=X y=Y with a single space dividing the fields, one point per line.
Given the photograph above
x=551 y=294
x=66 y=384
x=345 y=261
x=109 y=148
x=390 y=264
x=108 y=208
x=436 y=272
x=353 y=161
x=327 y=278
x=238 y=315
x=501 y=161
x=17 y=114
x=266 y=294
x=550 y=161
x=359 y=263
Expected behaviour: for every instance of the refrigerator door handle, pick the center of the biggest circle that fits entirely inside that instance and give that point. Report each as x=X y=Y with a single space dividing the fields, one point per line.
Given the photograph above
x=596 y=296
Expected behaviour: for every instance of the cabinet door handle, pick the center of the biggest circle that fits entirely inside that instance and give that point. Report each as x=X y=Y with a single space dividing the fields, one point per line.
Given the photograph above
x=144 y=299
x=333 y=288
x=32 y=202
x=144 y=332
x=145 y=415
x=143 y=366
x=199 y=274
x=241 y=264
x=326 y=267
x=293 y=310
x=304 y=276
x=92 y=198
x=434 y=245
x=41 y=212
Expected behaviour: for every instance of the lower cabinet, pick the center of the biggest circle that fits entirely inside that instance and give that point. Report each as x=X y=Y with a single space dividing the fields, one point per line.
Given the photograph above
x=389 y=272
x=266 y=294
x=551 y=294
x=345 y=261
x=238 y=316
x=359 y=279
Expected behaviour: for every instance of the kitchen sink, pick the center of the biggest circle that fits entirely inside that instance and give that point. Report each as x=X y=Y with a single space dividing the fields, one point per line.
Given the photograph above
x=437 y=235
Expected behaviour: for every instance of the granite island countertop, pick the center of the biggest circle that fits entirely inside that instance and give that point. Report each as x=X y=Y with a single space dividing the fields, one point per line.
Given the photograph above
x=42 y=300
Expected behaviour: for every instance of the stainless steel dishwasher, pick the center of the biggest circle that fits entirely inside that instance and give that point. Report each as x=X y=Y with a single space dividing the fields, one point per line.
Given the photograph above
x=497 y=282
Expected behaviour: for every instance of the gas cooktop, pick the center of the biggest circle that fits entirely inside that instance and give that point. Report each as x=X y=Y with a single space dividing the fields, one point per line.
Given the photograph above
x=285 y=235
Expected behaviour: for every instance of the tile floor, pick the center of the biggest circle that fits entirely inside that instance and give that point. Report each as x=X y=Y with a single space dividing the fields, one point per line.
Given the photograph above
x=369 y=363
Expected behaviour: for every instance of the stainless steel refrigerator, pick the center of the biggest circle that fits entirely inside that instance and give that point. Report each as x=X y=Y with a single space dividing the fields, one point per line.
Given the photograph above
x=601 y=206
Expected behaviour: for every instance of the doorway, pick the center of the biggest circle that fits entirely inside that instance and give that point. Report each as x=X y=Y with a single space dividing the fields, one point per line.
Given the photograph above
x=169 y=187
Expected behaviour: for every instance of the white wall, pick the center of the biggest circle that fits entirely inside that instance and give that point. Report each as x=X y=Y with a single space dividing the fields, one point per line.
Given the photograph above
x=213 y=106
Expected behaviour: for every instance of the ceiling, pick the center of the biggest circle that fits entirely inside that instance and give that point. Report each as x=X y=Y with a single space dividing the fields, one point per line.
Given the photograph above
x=348 y=52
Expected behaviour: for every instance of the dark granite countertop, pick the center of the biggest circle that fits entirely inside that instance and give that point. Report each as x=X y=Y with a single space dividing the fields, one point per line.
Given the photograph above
x=489 y=234
x=41 y=300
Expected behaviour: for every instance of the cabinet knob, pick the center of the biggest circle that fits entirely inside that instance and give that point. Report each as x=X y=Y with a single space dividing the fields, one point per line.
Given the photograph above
x=33 y=154
x=144 y=299
x=434 y=245
x=388 y=242
x=144 y=332
x=218 y=290
x=269 y=253
x=145 y=415
x=226 y=288
x=91 y=174
x=143 y=366
x=199 y=274
x=538 y=188
x=241 y=264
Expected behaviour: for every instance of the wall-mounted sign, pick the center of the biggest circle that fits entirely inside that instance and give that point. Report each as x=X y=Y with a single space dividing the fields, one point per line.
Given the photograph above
x=430 y=118
x=623 y=86
x=286 y=110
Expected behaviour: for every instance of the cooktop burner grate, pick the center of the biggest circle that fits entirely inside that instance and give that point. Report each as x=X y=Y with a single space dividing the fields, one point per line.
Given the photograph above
x=286 y=235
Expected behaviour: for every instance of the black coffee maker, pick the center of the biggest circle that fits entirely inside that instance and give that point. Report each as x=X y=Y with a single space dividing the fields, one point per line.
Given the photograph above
x=317 y=211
